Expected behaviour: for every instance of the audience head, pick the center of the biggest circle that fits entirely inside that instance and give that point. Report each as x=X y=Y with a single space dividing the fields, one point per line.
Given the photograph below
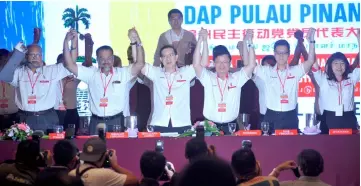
x=245 y=165
x=28 y=152
x=337 y=65
x=222 y=59
x=282 y=52
x=4 y=56
x=94 y=151
x=117 y=61
x=175 y=19
x=310 y=162
x=105 y=58
x=65 y=153
x=168 y=57
x=60 y=59
x=34 y=56
x=152 y=164
x=207 y=171
x=269 y=60
x=195 y=148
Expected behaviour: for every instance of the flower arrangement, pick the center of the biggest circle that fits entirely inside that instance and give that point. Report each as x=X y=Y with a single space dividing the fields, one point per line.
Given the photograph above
x=209 y=129
x=18 y=132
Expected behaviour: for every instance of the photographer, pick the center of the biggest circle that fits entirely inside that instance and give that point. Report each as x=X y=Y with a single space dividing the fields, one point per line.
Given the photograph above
x=310 y=166
x=92 y=173
x=248 y=169
x=24 y=170
x=152 y=167
x=66 y=159
x=197 y=147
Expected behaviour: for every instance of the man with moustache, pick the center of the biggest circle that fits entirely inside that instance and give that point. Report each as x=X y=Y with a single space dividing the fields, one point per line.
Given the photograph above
x=107 y=84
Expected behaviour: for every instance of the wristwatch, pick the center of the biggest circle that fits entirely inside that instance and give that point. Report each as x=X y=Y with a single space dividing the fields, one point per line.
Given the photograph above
x=133 y=43
x=139 y=44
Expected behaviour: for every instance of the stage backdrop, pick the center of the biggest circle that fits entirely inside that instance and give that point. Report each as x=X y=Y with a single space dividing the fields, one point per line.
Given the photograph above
x=109 y=21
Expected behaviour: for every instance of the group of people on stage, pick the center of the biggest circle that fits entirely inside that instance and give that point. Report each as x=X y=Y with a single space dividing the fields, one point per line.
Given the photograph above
x=44 y=95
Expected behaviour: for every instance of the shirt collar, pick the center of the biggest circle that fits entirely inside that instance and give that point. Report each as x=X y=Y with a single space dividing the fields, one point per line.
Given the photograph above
x=275 y=68
x=38 y=70
x=309 y=178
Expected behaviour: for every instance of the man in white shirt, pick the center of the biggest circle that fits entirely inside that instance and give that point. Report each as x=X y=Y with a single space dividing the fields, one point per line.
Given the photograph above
x=107 y=85
x=222 y=89
x=282 y=84
x=35 y=90
x=171 y=92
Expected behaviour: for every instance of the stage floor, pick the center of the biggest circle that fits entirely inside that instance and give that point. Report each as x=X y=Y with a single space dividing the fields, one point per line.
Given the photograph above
x=341 y=153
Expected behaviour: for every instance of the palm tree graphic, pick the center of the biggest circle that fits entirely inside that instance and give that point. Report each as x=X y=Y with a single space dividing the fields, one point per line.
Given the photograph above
x=72 y=17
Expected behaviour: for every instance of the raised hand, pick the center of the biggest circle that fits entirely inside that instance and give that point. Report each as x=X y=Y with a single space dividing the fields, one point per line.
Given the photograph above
x=37 y=34
x=299 y=35
x=239 y=45
x=69 y=35
x=249 y=35
x=133 y=35
x=21 y=47
x=88 y=40
x=203 y=34
x=311 y=35
x=75 y=35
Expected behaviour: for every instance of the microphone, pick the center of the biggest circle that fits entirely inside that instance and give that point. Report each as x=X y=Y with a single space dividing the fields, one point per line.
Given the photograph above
x=101 y=127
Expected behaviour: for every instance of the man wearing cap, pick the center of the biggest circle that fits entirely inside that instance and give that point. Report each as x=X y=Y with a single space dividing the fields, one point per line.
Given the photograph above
x=92 y=172
x=222 y=89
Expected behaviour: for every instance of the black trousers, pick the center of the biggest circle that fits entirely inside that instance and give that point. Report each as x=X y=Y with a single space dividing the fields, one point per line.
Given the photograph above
x=69 y=116
x=281 y=120
x=109 y=122
x=224 y=127
x=346 y=121
x=170 y=128
x=7 y=120
x=43 y=122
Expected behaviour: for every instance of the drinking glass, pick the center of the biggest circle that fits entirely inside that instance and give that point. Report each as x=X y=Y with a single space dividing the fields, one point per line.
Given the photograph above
x=265 y=128
x=58 y=129
x=150 y=128
x=232 y=127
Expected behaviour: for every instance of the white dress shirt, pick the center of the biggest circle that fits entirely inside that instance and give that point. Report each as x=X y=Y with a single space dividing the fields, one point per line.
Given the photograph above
x=66 y=94
x=44 y=82
x=261 y=86
x=7 y=99
x=330 y=97
x=274 y=79
x=179 y=110
x=116 y=92
x=214 y=87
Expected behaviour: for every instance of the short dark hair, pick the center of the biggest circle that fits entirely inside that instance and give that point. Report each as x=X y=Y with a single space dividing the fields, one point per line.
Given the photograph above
x=56 y=176
x=28 y=152
x=268 y=57
x=220 y=50
x=4 y=52
x=152 y=164
x=207 y=171
x=311 y=162
x=331 y=59
x=195 y=148
x=244 y=163
x=282 y=42
x=60 y=56
x=105 y=47
x=174 y=11
x=166 y=47
x=64 y=151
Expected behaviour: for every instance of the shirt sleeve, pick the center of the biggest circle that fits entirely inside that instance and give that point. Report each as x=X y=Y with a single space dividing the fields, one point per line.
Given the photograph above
x=7 y=73
x=150 y=71
x=242 y=77
x=113 y=178
x=355 y=75
x=189 y=72
x=85 y=73
x=62 y=71
x=15 y=79
x=319 y=76
x=127 y=73
x=298 y=71
x=205 y=78
x=261 y=71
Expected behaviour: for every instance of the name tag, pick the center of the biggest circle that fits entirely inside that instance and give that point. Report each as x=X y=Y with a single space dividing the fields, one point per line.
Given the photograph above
x=248 y=133
x=115 y=135
x=181 y=80
x=169 y=100
x=44 y=81
x=103 y=102
x=222 y=107
x=32 y=99
x=286 y=132
x=340 y=132
x=148 y=134
x=290 y=77
x=284 y=98
x=56 y=136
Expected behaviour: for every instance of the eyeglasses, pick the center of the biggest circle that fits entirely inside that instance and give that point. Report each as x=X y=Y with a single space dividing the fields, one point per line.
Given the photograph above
x=109 y=60
x=281 y=53
x=169 y=56
x=34 y=55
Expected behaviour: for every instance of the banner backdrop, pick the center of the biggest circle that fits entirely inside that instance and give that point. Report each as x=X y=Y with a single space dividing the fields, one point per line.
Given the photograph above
x=335 y=20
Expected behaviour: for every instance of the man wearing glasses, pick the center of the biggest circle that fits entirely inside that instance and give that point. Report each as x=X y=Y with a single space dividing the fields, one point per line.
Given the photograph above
x=182 y=40
x=107 y=84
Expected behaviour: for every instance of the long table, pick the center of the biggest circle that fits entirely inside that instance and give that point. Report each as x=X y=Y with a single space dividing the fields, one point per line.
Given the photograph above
x=341 y=153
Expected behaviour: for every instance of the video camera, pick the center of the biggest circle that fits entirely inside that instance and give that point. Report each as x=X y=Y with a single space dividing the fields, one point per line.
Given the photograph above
x=159 y=147
x=101 y=127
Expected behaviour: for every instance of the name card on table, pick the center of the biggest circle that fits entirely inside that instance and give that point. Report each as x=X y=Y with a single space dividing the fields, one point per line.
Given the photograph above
x=148 y=134
x=286 y=132
x=248 y=133
x=337 y=132
x=56 y=136
x=116 y=135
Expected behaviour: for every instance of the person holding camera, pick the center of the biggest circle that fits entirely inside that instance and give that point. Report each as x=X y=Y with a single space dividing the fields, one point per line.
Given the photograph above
x=25 y=168
x=248 y=169
x=310 y=166
x=93 y=173
x=152 y=166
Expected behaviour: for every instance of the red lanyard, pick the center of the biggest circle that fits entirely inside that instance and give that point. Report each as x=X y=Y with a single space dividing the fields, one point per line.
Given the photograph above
x=4 y=88
x=339 y=88
x=170 y=84
x=224 y=88
x=105 y=86
x=284 y=82
x=31 y=82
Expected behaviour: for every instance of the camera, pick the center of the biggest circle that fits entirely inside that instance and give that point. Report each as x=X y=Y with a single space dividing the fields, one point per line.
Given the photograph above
x=159 y=147
x=41 y=162
x=106 y=163
x=247 y=144
x=200 y=132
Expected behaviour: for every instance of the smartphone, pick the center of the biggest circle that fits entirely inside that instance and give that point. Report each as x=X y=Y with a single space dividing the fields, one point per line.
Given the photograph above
x=296 y=172
x=247 y=144
x=159 y=146
x=200 y=132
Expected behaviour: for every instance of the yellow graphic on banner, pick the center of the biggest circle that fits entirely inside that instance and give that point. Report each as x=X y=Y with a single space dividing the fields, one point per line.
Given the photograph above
x=150 y=20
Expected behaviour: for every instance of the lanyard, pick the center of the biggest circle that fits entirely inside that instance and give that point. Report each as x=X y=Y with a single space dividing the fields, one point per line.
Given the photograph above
x=224 y=89
x=339 y=88
x=4 y=88
x=105 y=86
x=170 y=84
x=284 y=82
x=31 y=82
